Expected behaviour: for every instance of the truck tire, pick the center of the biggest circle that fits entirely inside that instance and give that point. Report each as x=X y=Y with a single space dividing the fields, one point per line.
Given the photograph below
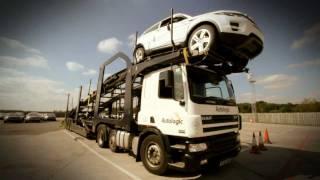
x=112 y=141
x=202 y=39
x=102 y=136
x=153 y=155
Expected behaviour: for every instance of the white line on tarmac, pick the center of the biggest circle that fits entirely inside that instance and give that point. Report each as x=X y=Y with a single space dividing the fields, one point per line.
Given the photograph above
x=103 y=158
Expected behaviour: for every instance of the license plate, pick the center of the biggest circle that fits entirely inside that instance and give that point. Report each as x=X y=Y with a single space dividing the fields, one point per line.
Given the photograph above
x=224 y=162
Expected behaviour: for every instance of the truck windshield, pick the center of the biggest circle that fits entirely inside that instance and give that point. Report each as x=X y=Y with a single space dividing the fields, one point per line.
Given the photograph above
x=207 y=87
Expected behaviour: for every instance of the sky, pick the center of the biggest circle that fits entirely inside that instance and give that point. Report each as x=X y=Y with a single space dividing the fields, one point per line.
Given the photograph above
x=49 y=48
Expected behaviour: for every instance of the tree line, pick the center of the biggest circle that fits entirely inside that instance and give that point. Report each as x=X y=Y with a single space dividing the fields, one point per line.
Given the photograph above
x=307 y=105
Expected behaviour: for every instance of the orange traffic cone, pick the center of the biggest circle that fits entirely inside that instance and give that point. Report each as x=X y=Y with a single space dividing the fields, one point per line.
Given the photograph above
x=261 y=145
x=266 y=137
x=254 y=146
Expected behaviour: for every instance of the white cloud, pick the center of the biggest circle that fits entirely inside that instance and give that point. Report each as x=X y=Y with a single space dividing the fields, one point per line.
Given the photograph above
x=74 y=66
x=14 y=44
x=132 y=40
x=32 y=61
x=309 y=36
x=277 y=81
x=110 y=45
x=10 y=72
x=19 y=90
x=89 y=72
x=315 y=62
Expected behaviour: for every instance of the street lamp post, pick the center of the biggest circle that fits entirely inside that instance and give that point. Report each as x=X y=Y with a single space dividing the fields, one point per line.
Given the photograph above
x=252 y=81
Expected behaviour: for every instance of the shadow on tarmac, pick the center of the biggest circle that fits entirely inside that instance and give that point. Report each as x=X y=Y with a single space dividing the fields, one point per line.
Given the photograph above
x=275 y=163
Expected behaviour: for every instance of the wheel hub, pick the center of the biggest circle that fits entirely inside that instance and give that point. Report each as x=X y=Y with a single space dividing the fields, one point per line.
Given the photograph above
x=200 y=40
x=153 y=155
x=139 y=55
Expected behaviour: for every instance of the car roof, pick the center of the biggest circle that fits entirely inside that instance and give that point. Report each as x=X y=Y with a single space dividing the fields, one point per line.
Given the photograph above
x=229 y=11
x=175 y=15
x=33 y=113
x=14 y=113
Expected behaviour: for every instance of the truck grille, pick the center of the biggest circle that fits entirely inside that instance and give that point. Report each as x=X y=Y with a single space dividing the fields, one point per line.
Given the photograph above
x=223 y=142
x=213 y=123
x=219 y=128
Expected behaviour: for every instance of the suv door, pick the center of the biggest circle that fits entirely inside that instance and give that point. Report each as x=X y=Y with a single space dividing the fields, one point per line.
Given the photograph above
x=163 y=34
x=148 y=37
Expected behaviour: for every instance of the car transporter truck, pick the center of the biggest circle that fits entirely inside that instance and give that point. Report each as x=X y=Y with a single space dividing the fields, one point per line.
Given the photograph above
x=173 y=110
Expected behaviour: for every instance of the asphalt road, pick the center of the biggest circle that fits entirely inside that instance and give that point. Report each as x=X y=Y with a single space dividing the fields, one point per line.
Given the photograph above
x=46 y=151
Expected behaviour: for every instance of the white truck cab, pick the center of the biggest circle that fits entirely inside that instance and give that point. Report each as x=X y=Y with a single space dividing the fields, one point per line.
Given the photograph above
x=194 y=108
x=183 y=101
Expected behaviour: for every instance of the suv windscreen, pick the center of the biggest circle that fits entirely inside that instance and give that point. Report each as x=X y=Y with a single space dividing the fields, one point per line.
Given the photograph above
x=152 y=28
x=175 y=20
x=207 y=87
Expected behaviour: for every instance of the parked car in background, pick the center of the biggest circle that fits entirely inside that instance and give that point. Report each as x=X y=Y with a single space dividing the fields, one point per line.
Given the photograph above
x=235 y=31
x=33 y=116
x=14 y=117
x=49 y=117
x=2 y=115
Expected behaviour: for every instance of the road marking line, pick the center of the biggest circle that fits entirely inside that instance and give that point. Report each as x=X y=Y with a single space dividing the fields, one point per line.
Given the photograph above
x=102 y=157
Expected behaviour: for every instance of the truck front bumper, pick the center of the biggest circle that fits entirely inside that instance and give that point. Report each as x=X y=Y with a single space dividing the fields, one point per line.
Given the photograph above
x=219 y=148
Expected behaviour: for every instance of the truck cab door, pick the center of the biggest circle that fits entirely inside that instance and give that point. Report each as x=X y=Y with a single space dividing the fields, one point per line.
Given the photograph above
x=161 y=102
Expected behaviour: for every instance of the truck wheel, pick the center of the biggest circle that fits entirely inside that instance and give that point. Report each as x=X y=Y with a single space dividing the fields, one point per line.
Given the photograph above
x=139 y=54
x=102 y=135
x=153 y=155
x=202 y=39
x=112 y=141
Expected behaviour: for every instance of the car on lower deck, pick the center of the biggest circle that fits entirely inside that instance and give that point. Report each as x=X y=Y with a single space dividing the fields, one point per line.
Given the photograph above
x=2 y=115
x=14 y=117
x=33 y=117
x=232 y=34
x=49 y=117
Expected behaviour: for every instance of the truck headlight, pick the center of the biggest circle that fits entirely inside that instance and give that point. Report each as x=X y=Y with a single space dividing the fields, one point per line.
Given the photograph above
x=197 y=147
